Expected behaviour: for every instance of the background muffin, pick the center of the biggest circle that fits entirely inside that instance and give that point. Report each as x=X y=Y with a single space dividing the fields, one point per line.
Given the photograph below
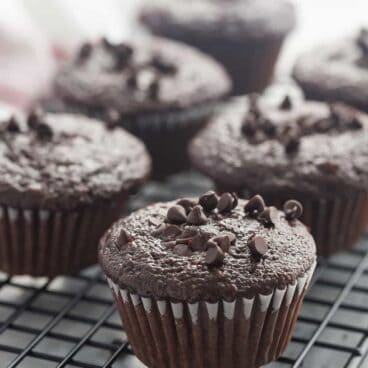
x=311 y=151
x=336 y=72
x=63 y=180
x=160 y=90
x=245 y=36
x=214 y=281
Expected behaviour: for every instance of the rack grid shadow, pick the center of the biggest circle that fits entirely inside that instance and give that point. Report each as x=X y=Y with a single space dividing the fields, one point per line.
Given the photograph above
x=71 y=322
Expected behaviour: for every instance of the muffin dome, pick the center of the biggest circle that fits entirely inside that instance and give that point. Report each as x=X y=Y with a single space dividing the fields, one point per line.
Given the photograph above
x=208 y=249
x=60 y=161
x=336 y=72
x=289 y=147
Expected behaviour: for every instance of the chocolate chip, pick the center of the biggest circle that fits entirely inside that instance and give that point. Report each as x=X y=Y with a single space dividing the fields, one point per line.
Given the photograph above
x=154 y=89
x=132 y=80
x=268 y=127
x=124 y=238
x=293 y=209
x=182 y=250
x=170 y=232
x=176 y=214
x=85 y=51
x=198 y=243
x=154 y=221
x=328 y=167
x=223 y=241
x=169 y=244
x=112 y=118
x=257 y=245
x=12 y=125
x=189 y=232
x=291 y=144
x=163 y=66
x=197 y=216
x=231 y=236
x=254 y=206
x=159 y=230
x=208 y=201
x=362 y=40
x=187 y=203
x=35 y=118
x=43 y=131
x=249 y=128
x=355 y=124
x=269 y=216
x=227 y=202
x=286 y=103
x=123 y=54
x=214 y=256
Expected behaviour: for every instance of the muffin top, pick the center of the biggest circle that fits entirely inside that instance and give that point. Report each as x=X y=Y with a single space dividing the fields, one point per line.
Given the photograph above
x=298 y=147
x=145 y=76
x=338 y=71
x=208 y=248
x=59 y=161
x=237 y=19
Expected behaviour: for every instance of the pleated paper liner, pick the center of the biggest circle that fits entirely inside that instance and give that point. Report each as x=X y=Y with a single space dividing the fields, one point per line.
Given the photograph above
x=337 y=224
x=49 y=243
x=242 y=333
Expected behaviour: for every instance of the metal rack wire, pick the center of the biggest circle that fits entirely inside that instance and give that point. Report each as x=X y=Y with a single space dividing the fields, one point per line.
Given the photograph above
x=71 y=321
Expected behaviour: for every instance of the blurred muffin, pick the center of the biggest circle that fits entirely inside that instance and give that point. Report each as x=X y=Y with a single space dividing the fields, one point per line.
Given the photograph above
x=63 y=180
x=159 y=90
x=244 y=35
x=336 y=72
x=311 y=151
x=209 y=282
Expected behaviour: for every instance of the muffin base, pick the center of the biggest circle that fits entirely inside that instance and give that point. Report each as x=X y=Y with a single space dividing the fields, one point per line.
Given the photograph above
x=50 y=243
x=242 y=333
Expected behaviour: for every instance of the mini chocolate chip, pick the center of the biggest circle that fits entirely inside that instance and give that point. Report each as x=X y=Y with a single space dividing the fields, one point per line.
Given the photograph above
x=362 y=40
x=255 y=206
x=176 y=214
x=12 y=125
x=43 y=131
x=187 y=203
x=131 y=80
x=257 y=245
x=223 y=241
x=154 y=89
x=292 y=144
x=154 y=221
x=355 y=124
x=169 y=244
x=35 y=118
x=112 y=118
x=293 y=209
x=171 y=232
x=227 y=202
x=286 y=103
x=85 y=51
x=269 y=216
x=123 y=54
x=208 y=200
x=214 y=256
x=268 y=127
x=182 y=250
x=198 y=243
x=197 y=216
x=159 y=230
x=328 y=167
x=124 y=238
x=249 y=127
x=163 y=66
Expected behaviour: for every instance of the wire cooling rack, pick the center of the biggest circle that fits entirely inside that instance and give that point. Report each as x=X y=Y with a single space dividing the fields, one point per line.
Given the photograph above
x=71 y=321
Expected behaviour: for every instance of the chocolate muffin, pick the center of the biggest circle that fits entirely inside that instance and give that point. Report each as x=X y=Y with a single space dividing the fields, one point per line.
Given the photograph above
x=244 y=35
x=209 y=282
x=159 y=90
x=336 y=72
x=63 y=180
x=314 y=152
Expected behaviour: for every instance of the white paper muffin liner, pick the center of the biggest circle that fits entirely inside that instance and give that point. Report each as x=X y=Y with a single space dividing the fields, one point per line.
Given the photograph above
x=241 y=333
x=48 y=243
